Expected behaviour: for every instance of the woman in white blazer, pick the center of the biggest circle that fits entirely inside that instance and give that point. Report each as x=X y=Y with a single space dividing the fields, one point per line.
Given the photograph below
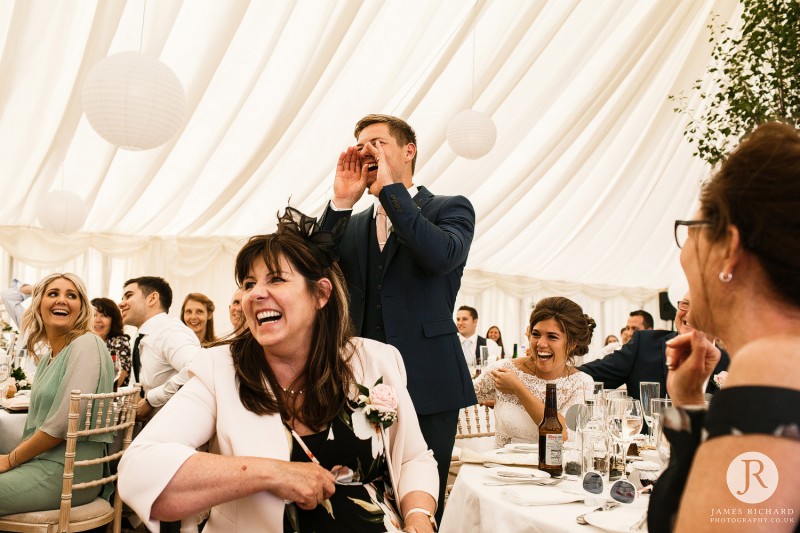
x=313 y=428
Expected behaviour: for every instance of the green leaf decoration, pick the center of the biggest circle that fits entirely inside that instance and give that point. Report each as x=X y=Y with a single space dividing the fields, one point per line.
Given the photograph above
x=753 y=77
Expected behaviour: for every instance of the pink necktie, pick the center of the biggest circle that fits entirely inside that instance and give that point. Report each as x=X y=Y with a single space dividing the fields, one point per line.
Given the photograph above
x=380 y=227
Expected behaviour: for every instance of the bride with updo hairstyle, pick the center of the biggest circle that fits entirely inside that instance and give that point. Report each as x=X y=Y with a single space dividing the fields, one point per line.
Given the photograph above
x=559 y=332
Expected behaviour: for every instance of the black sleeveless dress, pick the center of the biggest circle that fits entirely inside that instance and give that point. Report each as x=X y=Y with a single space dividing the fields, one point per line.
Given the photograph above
x=734 y=411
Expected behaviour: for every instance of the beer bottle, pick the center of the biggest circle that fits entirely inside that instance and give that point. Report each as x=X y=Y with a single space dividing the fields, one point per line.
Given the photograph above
x=514 y=356
x=550 y=435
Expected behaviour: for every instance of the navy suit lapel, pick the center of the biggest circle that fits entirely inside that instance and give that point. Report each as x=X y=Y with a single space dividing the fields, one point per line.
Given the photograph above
x=422 y=197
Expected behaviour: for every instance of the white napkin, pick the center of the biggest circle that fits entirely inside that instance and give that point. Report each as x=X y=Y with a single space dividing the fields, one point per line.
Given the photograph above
x=522 y=459
x=535 y=495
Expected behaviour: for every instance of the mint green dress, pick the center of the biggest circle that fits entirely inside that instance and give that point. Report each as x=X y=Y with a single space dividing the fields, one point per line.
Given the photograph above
x=84 y=365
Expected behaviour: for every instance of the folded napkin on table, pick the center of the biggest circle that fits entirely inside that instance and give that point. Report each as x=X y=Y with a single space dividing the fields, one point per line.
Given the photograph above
x=521 y=459
x=529 y=495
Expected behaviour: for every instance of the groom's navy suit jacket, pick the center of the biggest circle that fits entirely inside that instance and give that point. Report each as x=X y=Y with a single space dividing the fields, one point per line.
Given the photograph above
x=418 y=283
x=643 y=358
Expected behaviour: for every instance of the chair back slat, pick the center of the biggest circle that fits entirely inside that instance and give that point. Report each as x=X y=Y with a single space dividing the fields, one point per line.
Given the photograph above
x=477 y=420
x=115 y=413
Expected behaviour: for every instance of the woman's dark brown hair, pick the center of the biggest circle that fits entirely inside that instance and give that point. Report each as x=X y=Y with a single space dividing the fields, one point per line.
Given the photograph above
x=577 y=326
x=108 y=307
x=757 y=189
x=327 y=377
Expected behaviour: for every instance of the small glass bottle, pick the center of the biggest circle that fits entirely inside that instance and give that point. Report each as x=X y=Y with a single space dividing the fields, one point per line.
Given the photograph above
x=551 y=440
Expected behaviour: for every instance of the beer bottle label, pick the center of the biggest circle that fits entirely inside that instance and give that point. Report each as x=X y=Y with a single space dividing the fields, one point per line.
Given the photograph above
x=552 y=451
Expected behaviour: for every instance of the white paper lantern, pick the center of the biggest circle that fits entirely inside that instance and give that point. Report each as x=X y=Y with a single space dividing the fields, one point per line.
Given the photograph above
x=471 y=134
x=62 y=211
x=134 y=101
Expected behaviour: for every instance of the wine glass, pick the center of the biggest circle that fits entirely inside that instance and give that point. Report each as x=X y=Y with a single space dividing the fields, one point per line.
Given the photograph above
x=611 y=394
x=657 y=408
x=483 y=352
x=624 y=417
x=647 y=391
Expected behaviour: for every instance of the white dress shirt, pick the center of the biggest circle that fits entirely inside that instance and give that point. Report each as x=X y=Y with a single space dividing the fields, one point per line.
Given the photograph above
x=469 y=344
x=167 y=348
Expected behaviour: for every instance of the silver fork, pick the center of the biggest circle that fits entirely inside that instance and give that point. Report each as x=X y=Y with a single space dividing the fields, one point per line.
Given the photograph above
x=606 y=507
x=542 y=482
x=641 y=524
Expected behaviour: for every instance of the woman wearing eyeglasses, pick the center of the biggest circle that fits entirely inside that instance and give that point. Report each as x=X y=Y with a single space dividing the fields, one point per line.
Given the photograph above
x=741 y=256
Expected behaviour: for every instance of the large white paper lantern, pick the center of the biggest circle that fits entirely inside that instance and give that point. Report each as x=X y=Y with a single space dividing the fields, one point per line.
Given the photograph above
x=471 y=134
x=62 y=211
x=134 y=101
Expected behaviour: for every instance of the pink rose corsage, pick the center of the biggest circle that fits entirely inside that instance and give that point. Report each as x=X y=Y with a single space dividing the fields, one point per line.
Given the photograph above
x=379 y=404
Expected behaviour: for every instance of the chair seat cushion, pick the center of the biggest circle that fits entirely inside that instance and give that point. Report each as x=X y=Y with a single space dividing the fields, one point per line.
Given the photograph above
x=95 y=509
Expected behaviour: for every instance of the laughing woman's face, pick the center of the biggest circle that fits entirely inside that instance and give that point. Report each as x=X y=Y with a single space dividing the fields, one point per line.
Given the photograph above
x=548 y=349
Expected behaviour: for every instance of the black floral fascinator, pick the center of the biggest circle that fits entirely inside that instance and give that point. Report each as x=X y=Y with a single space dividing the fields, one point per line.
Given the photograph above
x=322 y=243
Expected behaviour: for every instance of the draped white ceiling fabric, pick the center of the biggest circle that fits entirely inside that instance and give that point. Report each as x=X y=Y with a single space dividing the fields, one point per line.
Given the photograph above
x=577 y=197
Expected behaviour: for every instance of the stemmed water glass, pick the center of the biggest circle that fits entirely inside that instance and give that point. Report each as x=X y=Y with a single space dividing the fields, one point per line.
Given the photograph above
x=647 y=391
x=624 y=417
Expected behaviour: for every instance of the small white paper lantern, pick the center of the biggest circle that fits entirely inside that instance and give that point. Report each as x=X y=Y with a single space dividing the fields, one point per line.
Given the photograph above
x=134 y=101
x=62 y=211
x=471 y=134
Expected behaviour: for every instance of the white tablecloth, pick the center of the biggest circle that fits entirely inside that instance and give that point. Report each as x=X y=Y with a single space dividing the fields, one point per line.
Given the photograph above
x=11 y=427
x=474 y=507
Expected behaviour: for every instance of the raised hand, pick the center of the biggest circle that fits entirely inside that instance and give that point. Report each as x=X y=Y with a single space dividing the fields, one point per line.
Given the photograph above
x=691 y=358
x=506 y=380
x=382 y=169
x=350 y=181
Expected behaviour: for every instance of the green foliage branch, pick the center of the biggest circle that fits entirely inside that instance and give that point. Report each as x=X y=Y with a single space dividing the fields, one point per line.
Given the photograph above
x=754 y=76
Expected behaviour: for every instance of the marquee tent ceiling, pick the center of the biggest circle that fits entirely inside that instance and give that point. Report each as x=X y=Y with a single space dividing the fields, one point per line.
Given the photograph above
x=588 y=173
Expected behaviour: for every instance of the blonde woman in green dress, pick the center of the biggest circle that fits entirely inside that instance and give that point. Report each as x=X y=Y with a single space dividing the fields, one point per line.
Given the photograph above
x=58 y=325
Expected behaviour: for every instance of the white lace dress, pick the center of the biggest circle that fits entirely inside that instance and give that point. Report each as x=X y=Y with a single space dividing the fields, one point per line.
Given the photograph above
x=512 y=421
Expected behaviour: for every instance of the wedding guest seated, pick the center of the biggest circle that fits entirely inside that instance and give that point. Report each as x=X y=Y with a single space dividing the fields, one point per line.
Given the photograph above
x=108 y=326
x=639 y=320
x=493 y=333
x=197 y=312
x=610 y=339
x=741 y=257
x=235 y=311
x=560 y=331
x=315 y=428
x=70 y=358
x=471 y=342
x=644 y=358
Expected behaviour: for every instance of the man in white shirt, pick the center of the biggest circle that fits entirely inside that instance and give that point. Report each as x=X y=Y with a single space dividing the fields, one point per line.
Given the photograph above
x=467 y=324
x=164 y=346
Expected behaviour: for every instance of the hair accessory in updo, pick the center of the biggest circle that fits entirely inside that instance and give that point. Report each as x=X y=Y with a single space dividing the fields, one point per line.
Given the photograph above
x=322 y=243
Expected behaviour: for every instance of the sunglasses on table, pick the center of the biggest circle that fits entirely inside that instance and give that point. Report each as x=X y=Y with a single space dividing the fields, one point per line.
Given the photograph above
x=622 y=490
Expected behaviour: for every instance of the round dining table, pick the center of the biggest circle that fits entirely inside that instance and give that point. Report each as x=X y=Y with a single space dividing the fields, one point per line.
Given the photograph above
x=474 y=507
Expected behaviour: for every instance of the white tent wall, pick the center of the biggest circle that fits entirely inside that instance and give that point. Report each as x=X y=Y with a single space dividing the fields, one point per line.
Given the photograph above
x=577 y=197
x=189 y=265
x=504 y=301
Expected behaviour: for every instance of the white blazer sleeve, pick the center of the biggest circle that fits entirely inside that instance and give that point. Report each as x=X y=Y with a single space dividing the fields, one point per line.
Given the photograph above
x=186 y=422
